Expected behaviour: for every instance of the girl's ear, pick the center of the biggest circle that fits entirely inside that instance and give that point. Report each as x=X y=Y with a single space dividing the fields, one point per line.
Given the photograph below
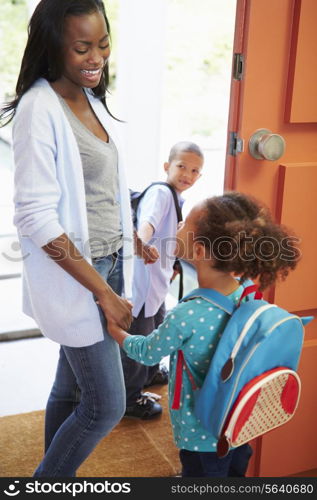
x=166 y=166
x=199 y=251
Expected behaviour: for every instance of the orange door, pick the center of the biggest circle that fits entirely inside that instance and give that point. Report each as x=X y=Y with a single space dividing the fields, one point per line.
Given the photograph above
x=274 y=89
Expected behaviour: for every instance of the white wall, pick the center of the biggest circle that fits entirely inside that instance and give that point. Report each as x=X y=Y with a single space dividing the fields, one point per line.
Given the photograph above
x=140 y=63
x=31 y=4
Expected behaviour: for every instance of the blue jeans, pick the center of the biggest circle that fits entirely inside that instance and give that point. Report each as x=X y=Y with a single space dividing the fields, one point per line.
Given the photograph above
x=88 y=395
x=208 y=464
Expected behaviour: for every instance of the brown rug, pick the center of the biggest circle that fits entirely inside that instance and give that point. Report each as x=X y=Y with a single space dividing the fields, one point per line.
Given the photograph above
x=135 y=448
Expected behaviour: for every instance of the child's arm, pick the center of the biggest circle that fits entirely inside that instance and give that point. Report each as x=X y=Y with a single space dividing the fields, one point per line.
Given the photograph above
x=147 y=252
x=145 y=231
x=116 y=332
x=153 y=209
x=157 y=202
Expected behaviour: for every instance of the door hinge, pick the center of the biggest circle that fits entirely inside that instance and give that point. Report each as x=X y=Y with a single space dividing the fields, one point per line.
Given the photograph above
x=236 y=144
x=238 y=66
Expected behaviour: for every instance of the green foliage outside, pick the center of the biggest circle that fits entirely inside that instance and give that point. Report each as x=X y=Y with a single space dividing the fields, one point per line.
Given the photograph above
x=13 y=33
x=199 y=54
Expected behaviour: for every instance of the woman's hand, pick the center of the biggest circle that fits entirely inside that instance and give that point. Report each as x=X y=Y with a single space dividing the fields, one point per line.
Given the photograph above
x=116 y=309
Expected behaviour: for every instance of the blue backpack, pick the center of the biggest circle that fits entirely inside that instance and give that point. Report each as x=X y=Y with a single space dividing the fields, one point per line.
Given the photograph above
x=135 y=198
x=251 y=386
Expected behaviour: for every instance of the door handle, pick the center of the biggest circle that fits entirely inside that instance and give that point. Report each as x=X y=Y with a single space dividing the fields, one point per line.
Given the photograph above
x=264 y=145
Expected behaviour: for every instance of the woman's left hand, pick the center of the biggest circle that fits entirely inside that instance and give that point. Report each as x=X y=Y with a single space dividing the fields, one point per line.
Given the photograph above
x=115 y=308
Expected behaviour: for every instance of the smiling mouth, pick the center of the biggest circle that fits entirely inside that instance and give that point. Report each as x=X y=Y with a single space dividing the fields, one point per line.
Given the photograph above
x=91 y=72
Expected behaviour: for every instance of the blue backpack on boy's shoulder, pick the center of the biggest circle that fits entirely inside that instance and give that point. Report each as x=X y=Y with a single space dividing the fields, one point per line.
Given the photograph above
x=135 y=198
x=251 y=385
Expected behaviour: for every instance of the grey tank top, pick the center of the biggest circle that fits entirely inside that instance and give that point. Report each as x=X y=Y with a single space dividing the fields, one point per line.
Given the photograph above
x=100 y=168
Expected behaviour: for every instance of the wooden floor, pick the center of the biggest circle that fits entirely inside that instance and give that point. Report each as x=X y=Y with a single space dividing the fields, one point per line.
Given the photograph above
x=151 y=442
x=135 y=448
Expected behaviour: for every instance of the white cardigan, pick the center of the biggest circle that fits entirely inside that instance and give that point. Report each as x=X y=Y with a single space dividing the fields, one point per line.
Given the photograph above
x=50 y=200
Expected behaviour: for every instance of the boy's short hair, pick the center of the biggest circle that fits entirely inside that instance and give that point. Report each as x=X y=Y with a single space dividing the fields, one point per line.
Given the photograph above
x=185 y=147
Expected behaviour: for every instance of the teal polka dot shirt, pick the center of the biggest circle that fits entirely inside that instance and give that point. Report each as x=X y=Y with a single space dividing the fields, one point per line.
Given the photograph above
x=195 y=327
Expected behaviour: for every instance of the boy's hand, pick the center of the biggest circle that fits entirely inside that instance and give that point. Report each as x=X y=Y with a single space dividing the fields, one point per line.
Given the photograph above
x=147 y=252
x=150 y=254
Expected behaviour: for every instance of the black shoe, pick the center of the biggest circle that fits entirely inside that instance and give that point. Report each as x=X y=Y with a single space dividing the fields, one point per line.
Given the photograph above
x=160 y=378
x=145 y=407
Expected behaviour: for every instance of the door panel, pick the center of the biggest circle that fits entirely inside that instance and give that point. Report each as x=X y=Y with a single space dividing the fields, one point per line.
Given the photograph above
x=279 y=448
x=296 y=204
x=278 y=42
x=301 y=105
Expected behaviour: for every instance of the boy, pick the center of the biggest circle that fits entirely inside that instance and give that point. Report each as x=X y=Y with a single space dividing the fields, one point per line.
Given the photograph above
x=156 y=225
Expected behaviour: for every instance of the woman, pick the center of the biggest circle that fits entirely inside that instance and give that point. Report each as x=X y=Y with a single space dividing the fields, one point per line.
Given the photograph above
x=72 y=205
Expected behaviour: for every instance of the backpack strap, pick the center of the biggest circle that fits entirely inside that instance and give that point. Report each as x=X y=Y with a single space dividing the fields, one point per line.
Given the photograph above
x=219 y=300
x=248 y=290
x=174 y=194
x=177 y=264
x=213 y=296
x=179 y=379
x=222 y=302
x=139 y=197
x=179 y=268
x=176 y=202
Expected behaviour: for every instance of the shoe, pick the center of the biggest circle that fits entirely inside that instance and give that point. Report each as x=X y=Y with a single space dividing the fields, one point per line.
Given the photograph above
x=160 y=378
x=145 y=407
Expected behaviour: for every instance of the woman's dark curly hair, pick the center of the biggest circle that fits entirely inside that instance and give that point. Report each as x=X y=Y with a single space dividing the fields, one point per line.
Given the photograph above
x=243 y=239
x=43 y=55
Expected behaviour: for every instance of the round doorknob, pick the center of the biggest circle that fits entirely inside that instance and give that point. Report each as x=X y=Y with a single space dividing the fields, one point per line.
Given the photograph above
x=263 y=145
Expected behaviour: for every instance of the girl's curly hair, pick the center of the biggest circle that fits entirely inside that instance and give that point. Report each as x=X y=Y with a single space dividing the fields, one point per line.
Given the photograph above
x=243 y=239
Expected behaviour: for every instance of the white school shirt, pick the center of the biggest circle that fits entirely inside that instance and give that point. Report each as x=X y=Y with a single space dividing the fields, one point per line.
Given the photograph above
x=151 y=281
x=49 y=201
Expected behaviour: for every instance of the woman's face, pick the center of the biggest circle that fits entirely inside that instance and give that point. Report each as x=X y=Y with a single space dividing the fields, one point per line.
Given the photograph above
x=86 y=49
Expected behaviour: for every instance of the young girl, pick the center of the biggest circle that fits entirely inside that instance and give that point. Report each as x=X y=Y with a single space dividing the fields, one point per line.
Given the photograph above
x=222 y=236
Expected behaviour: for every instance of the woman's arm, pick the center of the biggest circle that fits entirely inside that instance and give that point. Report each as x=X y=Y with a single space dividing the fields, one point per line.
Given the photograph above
x=37 y=197
x=65 y=254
